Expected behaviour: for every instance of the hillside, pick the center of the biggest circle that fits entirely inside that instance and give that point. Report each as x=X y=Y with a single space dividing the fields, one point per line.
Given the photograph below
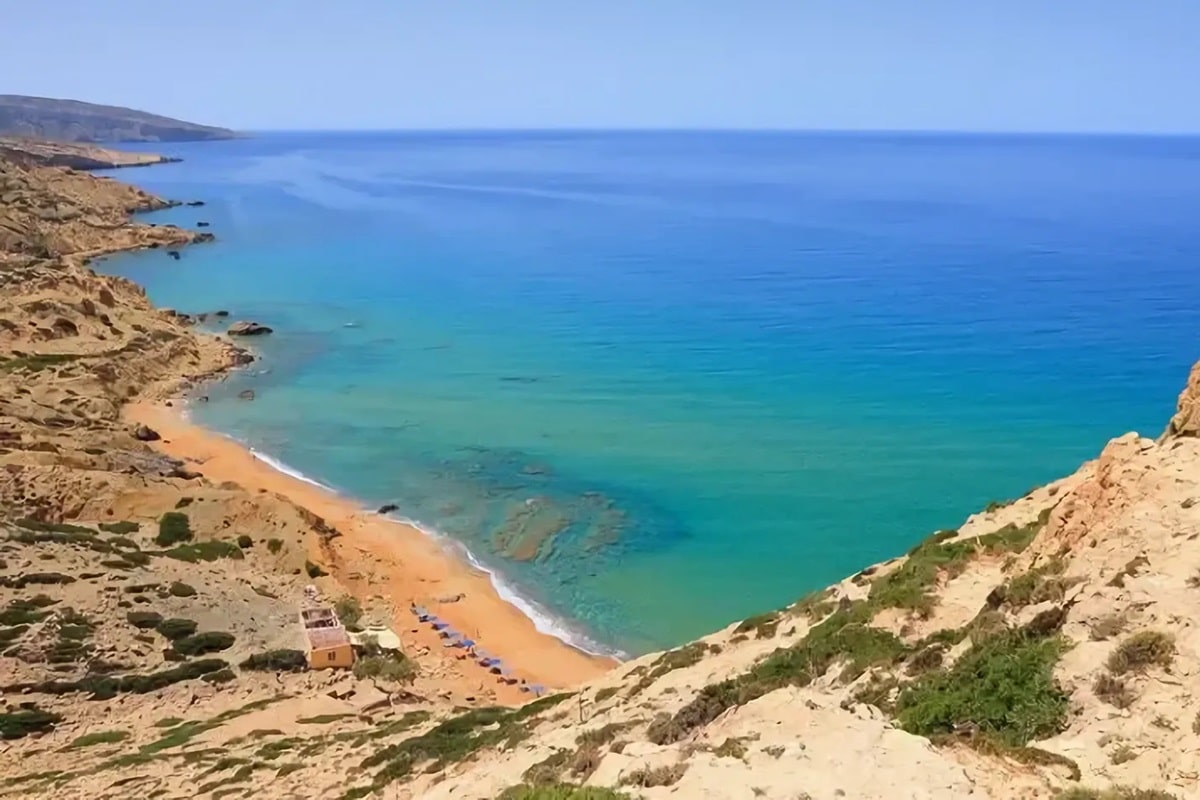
x=38 y=152
x=1047 y=647
x=76 y=121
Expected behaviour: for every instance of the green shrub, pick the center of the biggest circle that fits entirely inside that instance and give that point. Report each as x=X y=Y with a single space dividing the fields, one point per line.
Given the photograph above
x=1003 y=687
x=183 y=502
x=276 y=661
x=763 y=625
x=123 y=543
x=100 y=737
x=22 y=722
x=176 y=628
x=606 y=693
x=220 y=676
x=203 y=643
x=649 y=777
x=144 y=619
x=173 y=528
x=245 y=542
x=348 y=610
x=36 y=579
x=105 y=687
x=9 y=635
x=274 y=545
x=1142 y=650
x=560 y=791
x=25 y=612
x=314 y=570
x=122 y=528
x=53 y=527
x=179 y=589
x=394 y=668
x=204 y=551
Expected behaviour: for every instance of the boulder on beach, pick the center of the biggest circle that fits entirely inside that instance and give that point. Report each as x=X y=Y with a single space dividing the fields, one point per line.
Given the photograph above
x=144 y=433
x=246 y=394
x=389 y=508
x=248 y=329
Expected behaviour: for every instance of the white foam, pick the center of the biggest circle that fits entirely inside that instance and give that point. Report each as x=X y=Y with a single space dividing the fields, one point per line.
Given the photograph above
x=542 y=619
x=279 y=466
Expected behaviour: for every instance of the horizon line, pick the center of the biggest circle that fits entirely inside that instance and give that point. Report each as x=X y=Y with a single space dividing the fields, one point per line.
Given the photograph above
x=732 y=129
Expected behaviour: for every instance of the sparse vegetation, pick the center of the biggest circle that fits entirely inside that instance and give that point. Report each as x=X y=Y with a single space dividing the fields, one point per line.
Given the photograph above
x=18 y=723
x=348 y=610
x=26 y=612
x=1038 y=585
x=35 y=579
x=144 y=619
x=179 y=589
x=183 y=502
x=176 y=628
x=679 y=658
x=815 y=606
x=1122 y=754
x=245 y=542
x=220 y=676
x=1106 y=627
x=1142 y=650
x=649 y=777
x=314 y=570
x=451 y=741
x=104 y=687
x=100 y=737
x=173 y=528
x=561 y=791
x=1113 y=691
x=204 y=551
x=1003 y=687
x=396 y=668
x=274 y=546
x=605 y=693
x=763 y=625
x=202 y=643
x=730 y=748
x=1114 y=793
x=276 y=661
x=123 y=528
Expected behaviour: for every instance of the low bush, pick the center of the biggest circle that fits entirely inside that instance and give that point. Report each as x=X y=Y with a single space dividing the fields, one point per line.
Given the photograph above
x=203 y=643
x=274 y=546
x=173 y=528
x=30 y=524
x=396 y=668
x=183 y=502
x=314 y=570
x=180 y=589
x=105 y=687
x=647 y=777
x=1003 y=687
x=1113 y=691
x=122 y=528
x=9 y=635
x=349 y=610
x=176 y=628
x=35 y=579
x=763 y=625
x=144 y=619
x=276 y=661
x=220 y=676
x=19 y=723
x=245 y=542
x=1142 y=650
x=1114 y=793
x=560 y=791
x=100 y=737
x=204 y=551
x=26 y=612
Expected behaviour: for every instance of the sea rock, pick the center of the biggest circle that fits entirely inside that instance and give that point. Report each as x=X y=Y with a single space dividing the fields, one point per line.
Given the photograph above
x=246 y=394
x=220 y=313
x=201 y=224
x=173 y=254
x=204 y=237
x=241 y=358
x=144 y=433
x=248 y=329
x=389 y=508
x=195 y=203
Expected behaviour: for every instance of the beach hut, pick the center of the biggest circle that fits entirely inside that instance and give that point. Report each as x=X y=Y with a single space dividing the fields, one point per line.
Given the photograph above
x=329 y=645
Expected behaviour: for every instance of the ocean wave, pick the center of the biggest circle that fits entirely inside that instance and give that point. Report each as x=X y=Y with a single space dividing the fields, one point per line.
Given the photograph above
x=543 y=620
x=279 y=466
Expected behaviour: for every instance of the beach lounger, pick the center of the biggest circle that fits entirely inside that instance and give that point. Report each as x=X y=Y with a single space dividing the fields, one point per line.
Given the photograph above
x=449 y=633
x=454 y=641
x=468 y=643
x=421 y=614
x=438 y=625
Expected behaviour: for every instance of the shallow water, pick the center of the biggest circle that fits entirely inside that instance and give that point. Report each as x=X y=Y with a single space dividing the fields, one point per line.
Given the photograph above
x=661 y=381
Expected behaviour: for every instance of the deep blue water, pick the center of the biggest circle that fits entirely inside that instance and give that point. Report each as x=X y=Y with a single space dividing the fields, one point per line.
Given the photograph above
x=718 y=370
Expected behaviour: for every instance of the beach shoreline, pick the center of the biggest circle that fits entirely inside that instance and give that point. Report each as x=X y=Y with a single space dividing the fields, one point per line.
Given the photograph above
x=380 y=560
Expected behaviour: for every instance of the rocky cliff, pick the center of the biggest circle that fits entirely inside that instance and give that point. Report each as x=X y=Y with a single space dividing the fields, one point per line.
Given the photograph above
x=1047 y=647
x=76 y=121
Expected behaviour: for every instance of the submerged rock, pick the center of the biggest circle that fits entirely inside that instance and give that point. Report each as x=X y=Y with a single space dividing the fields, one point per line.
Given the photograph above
x=388 y=508
x=248 y=329
x=246 y=394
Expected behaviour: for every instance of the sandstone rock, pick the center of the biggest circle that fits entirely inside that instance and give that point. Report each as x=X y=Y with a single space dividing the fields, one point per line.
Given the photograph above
x=248 y=329
x=144 y=433
x=1186 y=421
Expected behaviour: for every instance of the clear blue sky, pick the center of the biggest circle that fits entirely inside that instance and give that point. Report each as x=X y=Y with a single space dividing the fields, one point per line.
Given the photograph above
x=1075 y=65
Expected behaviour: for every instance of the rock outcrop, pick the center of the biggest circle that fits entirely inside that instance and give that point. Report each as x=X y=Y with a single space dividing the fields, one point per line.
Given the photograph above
x=1186 y=421
x=248 y=329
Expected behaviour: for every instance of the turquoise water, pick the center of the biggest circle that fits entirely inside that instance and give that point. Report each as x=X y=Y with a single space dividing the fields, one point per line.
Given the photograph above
x=707 y=372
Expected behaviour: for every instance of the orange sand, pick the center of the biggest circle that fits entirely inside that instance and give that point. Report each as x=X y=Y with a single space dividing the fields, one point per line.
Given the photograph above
x=377 y=556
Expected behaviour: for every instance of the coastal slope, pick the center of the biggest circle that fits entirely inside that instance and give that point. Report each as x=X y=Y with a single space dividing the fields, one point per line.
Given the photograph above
x=150 y=577
x=76 y=121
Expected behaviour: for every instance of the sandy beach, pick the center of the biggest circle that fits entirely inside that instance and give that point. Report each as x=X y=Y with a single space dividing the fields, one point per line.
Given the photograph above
x=382 y=561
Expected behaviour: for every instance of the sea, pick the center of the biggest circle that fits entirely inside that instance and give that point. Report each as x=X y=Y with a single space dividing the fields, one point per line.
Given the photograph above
x=659 y=381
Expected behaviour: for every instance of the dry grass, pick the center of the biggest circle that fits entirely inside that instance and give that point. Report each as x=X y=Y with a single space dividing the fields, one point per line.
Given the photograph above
x=649 y=777
x=1123 y=754
x=1142 y=650
x=1113 y=691
x=1107 y=627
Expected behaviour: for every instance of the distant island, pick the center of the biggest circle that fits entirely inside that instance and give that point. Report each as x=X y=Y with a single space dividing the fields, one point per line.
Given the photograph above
x=76 y=121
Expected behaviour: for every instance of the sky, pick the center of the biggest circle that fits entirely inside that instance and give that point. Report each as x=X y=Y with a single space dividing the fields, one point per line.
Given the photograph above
x=1007 y=65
